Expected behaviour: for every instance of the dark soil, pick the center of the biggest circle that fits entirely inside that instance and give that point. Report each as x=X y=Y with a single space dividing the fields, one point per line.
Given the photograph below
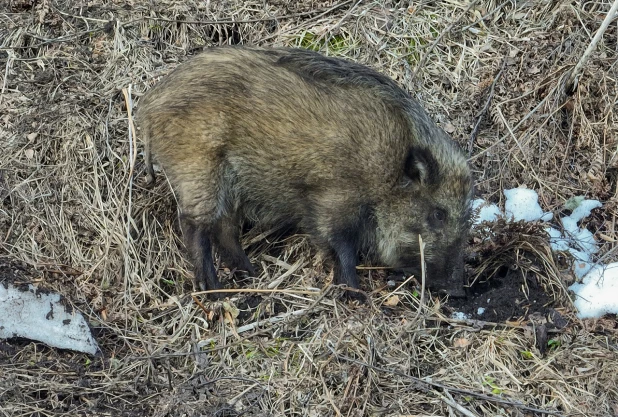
x=503 y=298
x=15 y=272
x=507 y=274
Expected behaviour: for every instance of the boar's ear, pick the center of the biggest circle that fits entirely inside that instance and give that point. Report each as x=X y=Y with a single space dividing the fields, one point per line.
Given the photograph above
x=421 y=166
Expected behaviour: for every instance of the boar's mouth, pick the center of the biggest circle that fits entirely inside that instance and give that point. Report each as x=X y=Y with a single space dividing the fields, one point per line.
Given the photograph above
x=439 y=279
x=411 y=270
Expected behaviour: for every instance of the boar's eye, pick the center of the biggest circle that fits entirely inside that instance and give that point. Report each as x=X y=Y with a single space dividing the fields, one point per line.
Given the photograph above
x=437 y=217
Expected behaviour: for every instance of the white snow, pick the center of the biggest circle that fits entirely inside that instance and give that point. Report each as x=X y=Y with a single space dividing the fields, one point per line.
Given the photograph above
x=458 y=315
x=41 y=316
x=584 y=208
x=486 y=212
x=557 y=242
x=581 y=263
x=578 y=241
x=523 y=204
x=480 y=311
x=597 y=292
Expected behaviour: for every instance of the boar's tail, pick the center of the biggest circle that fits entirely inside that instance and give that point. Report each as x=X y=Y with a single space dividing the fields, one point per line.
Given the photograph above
x=150 y=175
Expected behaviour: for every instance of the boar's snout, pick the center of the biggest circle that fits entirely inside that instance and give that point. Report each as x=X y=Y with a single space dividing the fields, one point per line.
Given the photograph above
x=448 y=277
x=445 y=280
x=455 y=285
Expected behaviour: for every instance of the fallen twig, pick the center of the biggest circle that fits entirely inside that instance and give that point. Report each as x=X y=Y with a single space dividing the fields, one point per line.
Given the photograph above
x=448 y=399
x=421 y=246
x=258 y=291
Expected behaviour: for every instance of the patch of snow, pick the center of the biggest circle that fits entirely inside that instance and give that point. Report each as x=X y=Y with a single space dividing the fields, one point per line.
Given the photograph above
x=480 y=311
x=486 y=212
x=597 y=294
x=585 y=240
x=523 y=204
x=581 y=268
x=584 y=209
x=458 y=315
x=578 y=241
x=41 y=316
x=582 y=263
x=556 y=240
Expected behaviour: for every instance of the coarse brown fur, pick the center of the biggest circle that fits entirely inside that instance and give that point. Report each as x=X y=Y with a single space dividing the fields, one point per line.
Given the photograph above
x=291 y=136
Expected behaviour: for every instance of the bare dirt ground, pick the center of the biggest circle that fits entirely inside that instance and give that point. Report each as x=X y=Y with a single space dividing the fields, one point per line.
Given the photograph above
x=75 y=218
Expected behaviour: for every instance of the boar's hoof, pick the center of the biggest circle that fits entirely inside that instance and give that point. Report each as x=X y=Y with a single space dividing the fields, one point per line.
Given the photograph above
x=149 y=181
x=350 y=295
x=246 y=271
x=216 y=296
x=454 y=293
x=202 y=285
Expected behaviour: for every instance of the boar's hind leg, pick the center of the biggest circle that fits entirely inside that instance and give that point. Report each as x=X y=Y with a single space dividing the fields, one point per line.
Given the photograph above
x=226 y=237
x=200 y=249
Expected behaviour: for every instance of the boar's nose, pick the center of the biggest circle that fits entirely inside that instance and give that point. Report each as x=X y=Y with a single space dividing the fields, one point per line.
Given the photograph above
x=456 y=281
x=450 y=280
x=455 y=292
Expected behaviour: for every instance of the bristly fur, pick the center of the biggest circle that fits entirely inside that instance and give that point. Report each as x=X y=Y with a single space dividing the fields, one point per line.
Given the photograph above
x=291 y=136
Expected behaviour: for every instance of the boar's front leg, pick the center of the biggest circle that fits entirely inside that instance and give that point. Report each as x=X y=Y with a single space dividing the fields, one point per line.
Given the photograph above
x=345 y=254
x=226 y=238
x=342 y=229
x=198 y=244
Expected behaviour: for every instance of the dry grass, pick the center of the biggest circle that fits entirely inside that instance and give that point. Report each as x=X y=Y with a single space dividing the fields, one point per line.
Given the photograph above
x=73 y=210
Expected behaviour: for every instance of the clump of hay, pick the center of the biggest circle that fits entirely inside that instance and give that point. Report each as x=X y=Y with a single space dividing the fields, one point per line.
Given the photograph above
x=504 y=246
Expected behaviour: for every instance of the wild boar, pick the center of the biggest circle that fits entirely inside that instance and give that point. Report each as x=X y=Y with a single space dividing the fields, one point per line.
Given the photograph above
x=329 y=146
